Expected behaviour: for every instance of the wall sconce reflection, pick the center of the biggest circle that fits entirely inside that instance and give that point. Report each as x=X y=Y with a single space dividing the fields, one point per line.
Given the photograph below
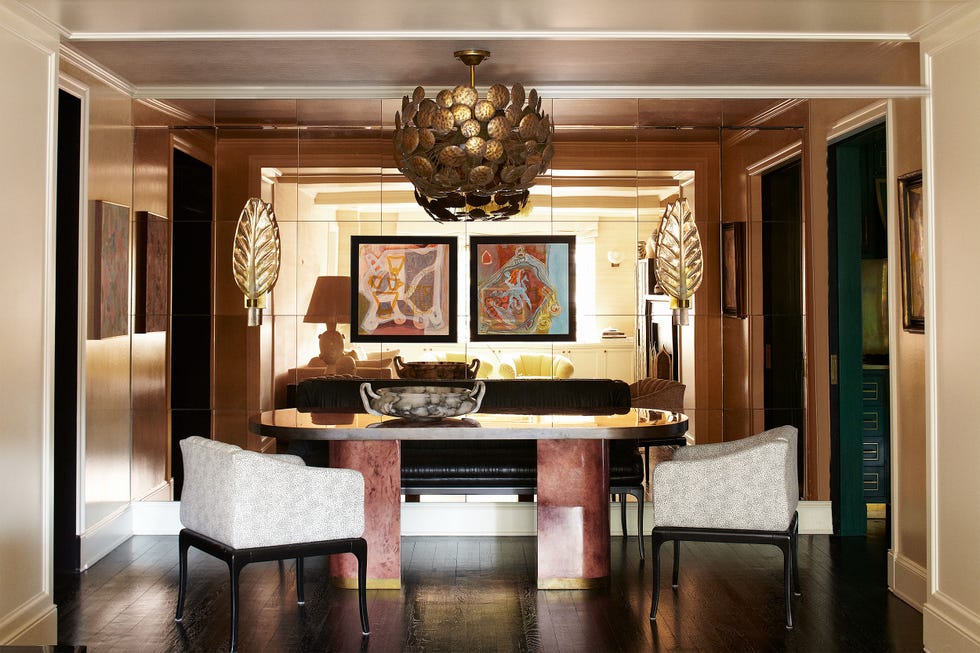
x=615 y=257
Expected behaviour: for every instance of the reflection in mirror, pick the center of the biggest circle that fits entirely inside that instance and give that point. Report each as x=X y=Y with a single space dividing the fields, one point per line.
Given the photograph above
x=327 y=167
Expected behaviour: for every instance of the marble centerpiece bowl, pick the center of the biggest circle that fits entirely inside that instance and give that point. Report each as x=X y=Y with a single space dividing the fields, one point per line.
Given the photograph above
x=422 y=403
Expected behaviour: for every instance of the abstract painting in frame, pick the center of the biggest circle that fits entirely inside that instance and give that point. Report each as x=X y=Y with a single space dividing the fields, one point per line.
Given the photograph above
x=522 y=288
x=152 y=236
x=110 y=270
x=733 y=269
x=912 y=232
x=403 y=289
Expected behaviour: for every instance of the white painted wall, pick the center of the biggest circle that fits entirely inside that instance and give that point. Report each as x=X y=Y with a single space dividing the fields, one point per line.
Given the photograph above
x=28 y=73
x=951 y=617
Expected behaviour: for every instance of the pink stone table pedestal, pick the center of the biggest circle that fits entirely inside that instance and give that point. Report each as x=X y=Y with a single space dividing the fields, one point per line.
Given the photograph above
x=573 y=514
x=380 y=463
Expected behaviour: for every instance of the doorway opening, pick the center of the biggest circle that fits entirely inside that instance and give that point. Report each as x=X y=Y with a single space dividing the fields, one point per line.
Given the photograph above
x=857 y=167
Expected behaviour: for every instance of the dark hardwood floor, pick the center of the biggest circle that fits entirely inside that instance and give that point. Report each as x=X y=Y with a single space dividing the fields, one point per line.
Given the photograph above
x=478 y=594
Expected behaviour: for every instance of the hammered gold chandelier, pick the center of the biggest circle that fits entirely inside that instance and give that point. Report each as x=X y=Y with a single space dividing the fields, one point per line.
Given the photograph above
x=471 y=158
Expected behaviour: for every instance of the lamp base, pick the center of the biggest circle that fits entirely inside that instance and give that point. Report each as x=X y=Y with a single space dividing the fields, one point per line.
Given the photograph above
x=332 y=353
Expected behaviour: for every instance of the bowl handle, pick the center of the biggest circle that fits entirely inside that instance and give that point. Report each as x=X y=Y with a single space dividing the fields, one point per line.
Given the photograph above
x=473 y=368
x=366 y=391
x=479 y=389
x=399 y=364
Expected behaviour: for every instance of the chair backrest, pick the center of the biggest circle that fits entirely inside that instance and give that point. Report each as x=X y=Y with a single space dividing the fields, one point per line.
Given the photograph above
x=663 y=394
x=749 y=483
x=246 y=499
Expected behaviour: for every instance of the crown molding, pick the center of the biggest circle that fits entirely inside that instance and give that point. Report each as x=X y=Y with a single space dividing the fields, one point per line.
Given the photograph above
x=92 y=67
x=555 y=92
x=496 y=35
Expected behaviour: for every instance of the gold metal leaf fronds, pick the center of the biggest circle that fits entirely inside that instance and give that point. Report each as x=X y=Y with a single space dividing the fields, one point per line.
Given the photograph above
x=680 y=262
x=256 y=256
x=472 y=158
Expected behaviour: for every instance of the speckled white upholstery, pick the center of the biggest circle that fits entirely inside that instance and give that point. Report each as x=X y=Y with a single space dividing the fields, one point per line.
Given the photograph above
x=745 y=484
x=246 y=499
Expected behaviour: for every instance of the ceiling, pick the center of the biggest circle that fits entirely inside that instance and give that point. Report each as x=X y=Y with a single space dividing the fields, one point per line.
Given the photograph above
x=565 y=48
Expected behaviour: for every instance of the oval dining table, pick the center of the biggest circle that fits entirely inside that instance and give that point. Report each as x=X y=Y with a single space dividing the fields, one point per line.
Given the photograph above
x=572 y=482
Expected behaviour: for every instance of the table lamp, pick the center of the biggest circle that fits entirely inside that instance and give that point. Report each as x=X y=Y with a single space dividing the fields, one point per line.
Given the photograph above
x=330 y=304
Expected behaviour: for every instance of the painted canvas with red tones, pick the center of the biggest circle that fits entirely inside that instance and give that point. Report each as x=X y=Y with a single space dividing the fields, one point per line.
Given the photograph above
x=523 y=288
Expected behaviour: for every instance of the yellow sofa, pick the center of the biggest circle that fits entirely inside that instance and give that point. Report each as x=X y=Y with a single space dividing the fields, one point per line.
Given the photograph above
x=548 y=366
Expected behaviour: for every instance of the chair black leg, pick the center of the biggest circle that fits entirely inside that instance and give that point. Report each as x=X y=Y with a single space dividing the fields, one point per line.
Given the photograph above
x=795 y=544
x=183 y=545
x=234 y=567
x=622 y=514
x=639 y=521
x=360 y=552
x=655 y=544
x=299 y=582
x=786 y=547
x=677 y=561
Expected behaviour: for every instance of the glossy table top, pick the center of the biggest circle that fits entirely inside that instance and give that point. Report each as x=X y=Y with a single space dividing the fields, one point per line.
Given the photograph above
x=638 y=423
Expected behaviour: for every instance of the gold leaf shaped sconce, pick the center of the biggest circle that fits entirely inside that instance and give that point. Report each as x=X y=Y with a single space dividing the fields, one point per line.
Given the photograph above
x=256 y=256
x=680 y=262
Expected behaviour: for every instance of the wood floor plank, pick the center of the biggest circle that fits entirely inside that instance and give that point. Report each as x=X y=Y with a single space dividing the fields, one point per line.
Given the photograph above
x=479 y=594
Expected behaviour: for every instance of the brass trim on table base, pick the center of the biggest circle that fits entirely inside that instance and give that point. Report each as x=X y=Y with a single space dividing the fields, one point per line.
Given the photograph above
x=571 y=583
x=372 y=583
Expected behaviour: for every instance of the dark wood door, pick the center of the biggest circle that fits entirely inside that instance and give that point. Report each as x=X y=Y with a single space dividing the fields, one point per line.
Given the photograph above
x=857 y=235
x=782 y=300
x=67 y=543
x=190 y=348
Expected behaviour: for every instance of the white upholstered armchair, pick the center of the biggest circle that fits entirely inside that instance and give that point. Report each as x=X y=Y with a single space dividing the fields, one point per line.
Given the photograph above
x=741 y=491
x=242 y=506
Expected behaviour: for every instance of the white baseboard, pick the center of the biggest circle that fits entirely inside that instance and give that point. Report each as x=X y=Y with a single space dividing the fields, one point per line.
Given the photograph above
x=907 y=580
x=816 y=517
x=947 y=625
x=34 y=622
x=456 y=519
x=105 y=536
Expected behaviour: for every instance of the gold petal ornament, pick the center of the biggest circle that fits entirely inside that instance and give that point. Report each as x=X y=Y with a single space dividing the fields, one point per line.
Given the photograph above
x=256 y=255
x=679 y=259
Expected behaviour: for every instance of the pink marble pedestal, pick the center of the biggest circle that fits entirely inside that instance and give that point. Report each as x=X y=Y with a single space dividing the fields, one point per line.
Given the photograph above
x=573 y=514
x=380 y=463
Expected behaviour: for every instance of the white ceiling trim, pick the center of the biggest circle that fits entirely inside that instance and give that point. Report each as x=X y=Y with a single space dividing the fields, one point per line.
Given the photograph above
x=96 y=70
x=426 y=35
x=550 y=92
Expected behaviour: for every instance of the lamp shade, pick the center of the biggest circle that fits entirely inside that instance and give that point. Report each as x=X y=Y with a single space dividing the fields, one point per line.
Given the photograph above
x=330 y=302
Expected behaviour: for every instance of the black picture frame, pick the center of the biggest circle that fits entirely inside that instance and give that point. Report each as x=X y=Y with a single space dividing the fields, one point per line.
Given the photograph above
x=403 y=289
x=536 y=277
x=912 y=232
x=733 y=269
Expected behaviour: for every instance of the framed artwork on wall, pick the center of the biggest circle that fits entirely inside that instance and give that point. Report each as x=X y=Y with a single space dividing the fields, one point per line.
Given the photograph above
x=733 y=269
x=912 y=232
x=522 y=288
x=152 y=272
x=110 y=270
x=403 y=289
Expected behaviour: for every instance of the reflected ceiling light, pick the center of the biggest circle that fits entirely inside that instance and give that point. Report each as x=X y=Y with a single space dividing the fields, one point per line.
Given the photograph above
x=255 y=256
x=471 y=158
x=679 y=260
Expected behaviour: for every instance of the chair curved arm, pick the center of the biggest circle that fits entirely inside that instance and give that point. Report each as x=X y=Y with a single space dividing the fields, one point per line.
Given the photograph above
x=751 y=487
